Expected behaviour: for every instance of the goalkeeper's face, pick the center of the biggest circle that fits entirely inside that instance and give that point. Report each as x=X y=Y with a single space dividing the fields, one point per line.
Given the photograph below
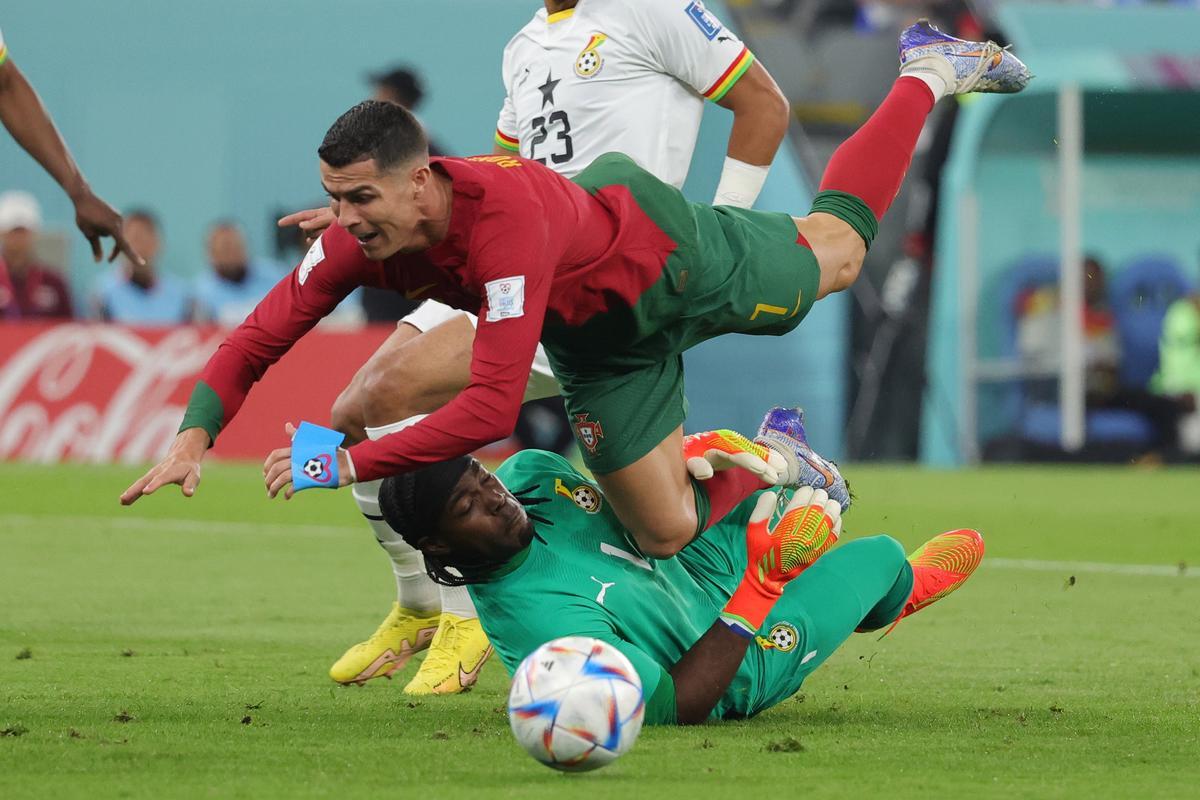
x=482 y=522
x=385 y=210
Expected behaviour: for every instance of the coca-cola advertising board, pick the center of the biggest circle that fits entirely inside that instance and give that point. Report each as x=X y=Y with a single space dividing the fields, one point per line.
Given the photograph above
x=107 y=393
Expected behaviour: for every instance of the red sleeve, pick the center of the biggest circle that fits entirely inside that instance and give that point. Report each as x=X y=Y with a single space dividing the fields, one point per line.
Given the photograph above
x=333 y=268
x=514 y=291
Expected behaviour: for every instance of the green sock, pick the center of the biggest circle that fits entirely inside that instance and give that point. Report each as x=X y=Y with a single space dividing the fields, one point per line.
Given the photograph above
x=851 y=210
x=886 y=610
x=703 y=507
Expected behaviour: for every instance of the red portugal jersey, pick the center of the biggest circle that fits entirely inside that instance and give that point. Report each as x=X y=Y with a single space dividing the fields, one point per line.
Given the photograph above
x=523 y=242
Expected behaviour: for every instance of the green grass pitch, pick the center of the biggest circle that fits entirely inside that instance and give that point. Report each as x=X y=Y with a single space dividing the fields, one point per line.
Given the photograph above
x=180 y=649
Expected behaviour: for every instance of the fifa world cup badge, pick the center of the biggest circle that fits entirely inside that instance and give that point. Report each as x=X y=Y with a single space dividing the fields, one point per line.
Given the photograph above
x=590 y=61
x=588 y=432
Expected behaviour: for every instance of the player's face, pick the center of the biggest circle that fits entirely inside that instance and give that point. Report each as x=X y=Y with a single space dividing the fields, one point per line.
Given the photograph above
x=482 y=522
x=380 y=209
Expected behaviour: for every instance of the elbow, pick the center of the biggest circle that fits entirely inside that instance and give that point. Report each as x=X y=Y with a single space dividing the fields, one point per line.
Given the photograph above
x=691 y=711
x=777 y=109
x=500 y=425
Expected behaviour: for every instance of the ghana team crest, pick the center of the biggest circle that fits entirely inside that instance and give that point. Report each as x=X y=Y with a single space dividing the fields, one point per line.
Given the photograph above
x=584 y=496
x=588 y=431
x=782 y=637
x=590 y=61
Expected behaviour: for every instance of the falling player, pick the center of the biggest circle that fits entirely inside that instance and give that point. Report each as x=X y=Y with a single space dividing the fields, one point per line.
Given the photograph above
x=22 y=113
x=580 y=80
x=617 y=280
x=729 y=627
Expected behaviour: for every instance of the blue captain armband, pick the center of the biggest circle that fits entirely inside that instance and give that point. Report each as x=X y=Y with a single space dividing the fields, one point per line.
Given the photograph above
x=314 y=457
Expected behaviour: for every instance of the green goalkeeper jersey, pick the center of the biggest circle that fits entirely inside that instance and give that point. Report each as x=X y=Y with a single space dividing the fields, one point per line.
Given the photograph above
x=584 y=575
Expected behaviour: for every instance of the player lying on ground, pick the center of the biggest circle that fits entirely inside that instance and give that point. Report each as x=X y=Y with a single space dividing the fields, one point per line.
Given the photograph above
x=22 y=113
x=572 y=94
x=727 y=628
x=617 y=274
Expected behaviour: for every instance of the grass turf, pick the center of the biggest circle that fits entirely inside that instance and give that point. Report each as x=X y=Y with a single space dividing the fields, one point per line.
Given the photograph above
x=180 y=649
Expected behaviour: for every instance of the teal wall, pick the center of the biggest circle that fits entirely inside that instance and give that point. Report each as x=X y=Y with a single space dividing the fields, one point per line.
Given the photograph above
x=204 y=110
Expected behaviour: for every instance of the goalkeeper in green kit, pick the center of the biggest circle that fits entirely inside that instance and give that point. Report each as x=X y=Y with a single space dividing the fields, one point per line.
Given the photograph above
x=729 y=627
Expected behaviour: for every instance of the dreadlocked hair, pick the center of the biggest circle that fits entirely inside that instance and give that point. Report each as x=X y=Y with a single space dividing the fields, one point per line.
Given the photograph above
x=412 y=504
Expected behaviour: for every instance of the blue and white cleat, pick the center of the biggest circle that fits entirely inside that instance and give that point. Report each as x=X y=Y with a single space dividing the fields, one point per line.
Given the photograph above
x=782 y=430
x=978 y=66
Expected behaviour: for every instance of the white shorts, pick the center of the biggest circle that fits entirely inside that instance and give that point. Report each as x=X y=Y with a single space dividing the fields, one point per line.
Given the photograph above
x=542 y=382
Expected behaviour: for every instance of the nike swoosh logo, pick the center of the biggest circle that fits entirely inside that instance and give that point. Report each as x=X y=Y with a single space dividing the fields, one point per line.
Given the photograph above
x=413 y=294
x=825 y=473
x=466 y=679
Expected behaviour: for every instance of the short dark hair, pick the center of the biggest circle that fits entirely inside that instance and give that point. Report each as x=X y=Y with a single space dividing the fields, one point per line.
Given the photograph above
x=403 y=83
x=373 y=129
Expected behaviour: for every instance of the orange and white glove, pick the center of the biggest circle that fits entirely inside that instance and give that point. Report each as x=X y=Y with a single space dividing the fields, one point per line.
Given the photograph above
x=712 y=451
x=810 y=525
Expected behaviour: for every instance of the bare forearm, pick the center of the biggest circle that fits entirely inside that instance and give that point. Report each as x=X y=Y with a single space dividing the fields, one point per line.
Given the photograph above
x=760 y=117
x=705 y=671
x=25 y=117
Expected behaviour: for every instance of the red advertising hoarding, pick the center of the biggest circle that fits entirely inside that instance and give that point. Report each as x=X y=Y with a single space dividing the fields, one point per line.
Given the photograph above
x=107 y=393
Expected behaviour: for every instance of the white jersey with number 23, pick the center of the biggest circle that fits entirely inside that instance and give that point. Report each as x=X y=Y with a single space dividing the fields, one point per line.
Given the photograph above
x=616 y=75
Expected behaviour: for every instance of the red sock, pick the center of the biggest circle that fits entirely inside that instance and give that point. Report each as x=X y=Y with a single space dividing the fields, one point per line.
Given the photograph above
x=724 y=491
x=871 y=164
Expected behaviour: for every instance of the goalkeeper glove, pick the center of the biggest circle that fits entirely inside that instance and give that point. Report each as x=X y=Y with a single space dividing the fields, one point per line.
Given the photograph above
x=810 y=526
x=711 y=451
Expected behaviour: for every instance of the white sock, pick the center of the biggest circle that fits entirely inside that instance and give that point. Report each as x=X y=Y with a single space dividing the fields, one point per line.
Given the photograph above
x=457 y=600
x=454 y=599
x=935 y=72
x=415 y=590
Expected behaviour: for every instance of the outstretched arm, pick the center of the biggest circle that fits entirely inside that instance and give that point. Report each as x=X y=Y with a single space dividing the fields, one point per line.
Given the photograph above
x=25 y=117
x=331 y=270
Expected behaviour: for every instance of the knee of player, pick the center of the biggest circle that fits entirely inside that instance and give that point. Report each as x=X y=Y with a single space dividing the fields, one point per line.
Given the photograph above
x=346 y=414
x=389 y=395
x=885 y=548
x=663 y=541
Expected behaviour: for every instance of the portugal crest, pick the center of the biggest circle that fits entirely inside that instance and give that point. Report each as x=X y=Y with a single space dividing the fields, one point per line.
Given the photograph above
x=588 y=432
x=590 y=61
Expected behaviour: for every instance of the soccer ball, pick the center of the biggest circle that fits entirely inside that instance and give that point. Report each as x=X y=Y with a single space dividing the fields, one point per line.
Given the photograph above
x=576 y=704
x=313 y=468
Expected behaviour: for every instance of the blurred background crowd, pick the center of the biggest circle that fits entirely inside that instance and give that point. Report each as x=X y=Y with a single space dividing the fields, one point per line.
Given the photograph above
x=956 y=348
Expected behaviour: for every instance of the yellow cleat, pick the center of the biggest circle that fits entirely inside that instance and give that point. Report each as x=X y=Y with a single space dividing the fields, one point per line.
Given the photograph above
x=402 y=633
x=456 y=655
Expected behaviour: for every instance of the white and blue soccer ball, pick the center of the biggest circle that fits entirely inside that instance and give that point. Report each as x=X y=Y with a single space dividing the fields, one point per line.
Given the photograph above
x=576 y=704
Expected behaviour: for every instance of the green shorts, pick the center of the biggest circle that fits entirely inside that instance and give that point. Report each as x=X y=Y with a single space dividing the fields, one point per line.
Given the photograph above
x=733 y=271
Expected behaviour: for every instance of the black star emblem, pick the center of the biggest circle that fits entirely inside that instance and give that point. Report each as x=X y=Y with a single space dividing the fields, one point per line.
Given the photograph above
x=547 y=89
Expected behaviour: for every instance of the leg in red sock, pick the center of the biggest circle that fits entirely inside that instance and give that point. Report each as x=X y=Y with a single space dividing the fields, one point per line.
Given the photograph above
x=871 y=164
x=721 y=493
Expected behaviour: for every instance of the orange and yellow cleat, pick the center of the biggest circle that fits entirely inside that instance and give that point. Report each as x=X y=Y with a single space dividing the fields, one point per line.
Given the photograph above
x=940 y=566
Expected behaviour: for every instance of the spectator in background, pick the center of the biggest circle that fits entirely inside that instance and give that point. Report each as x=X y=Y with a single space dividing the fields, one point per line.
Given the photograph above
x=28 y=289
x=1039 y=342
x=403 y=87
x=235 y=283
x=141 y=294
x=1178 y=375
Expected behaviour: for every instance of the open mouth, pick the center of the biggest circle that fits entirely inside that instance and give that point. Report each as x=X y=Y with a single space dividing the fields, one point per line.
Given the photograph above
x=367 y=237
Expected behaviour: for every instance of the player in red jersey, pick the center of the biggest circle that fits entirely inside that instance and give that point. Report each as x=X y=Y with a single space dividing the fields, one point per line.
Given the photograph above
x=616 y=273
